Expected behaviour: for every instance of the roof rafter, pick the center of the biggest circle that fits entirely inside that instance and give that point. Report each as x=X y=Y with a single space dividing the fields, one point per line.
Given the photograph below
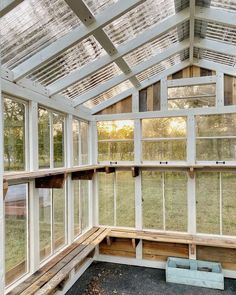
x=8 y=5
x=144 y=84
x=215 y=15
x=73 y=37
x=191 y=29
x=122 y=50
x=217 y=46
x=81 y=10
x=214 y=66
x=136 y=70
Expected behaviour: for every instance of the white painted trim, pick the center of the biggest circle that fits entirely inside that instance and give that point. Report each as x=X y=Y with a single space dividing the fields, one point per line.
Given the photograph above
x=214 y=66
x=191 y=81
x=219 y=90
x=191 y=29
x=53 y=103
x=215 y=15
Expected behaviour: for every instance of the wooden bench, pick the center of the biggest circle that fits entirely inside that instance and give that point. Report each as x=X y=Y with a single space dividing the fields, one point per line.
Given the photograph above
x=53 y=275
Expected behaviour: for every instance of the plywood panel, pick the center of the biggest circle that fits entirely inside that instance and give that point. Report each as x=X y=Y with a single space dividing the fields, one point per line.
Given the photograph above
x=123 y=106
x=118 y=247
x=143 y=100
x=227 y=257
x=161 y=251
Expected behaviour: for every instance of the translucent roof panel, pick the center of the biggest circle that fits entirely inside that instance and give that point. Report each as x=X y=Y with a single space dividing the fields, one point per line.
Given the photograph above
x=225 y=4
x=216 y=57
x=31 y=26
x=164 y=65
x=97 y=6
x=72 y=59
x=139 y=19
x=108 y=94
x=92 y=81
x=215 y=31
x=158 y=45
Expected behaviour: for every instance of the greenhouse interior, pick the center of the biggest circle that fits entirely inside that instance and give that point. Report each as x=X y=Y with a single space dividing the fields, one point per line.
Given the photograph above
x=118 y=139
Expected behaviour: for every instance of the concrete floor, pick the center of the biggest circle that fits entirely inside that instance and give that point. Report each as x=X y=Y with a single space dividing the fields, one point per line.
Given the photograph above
x=109 y=279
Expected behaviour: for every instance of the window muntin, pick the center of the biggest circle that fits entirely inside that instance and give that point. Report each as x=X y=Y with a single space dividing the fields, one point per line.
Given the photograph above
x=216 y=137
x=51 y=132
x=195 y=96
x=164 y=196
x=14 y=134
x=52 y=221
x=80 y=143
x=216 y=206
x=116 y=199
x=115 y=140
x=164 y=139
x=81 y=206
x=58 y=140
x=16 y=232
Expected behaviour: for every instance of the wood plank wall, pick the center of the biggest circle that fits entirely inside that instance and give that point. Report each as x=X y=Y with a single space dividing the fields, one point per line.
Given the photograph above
x=230 y=90
x=123 y=106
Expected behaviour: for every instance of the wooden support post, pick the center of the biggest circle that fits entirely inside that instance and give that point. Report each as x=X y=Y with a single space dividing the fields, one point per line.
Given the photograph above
x=83 y=175
x=135 y=243
x=192 y=251
x=61 y=285
x=109 y=241
x=52 y=181
x=135 y=171
x=5 y=188
x=109 y=169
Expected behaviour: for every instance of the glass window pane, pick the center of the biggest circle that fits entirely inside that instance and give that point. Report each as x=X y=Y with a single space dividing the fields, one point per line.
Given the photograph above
x=106 y=198
x=45 y=223
x=192 y=91
x=197 y=102
x=164 y=127
x=152 y=196
x=84 y=129
x=59 y=217
x=116 y=151
x=77 y=222
x=164 y=150
x=216 y=125
x=14 y=135
x=176 y=211
x=125 y=199
x=208 y=202
x=75 y=127
x=58 y=140
x=44 y=138
x=16 y=227
x=229 y=203
x=216 y=149
x=84 y=204
x=115 y=130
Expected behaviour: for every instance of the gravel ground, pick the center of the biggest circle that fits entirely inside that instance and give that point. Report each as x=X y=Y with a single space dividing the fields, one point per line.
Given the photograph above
x=109 y=279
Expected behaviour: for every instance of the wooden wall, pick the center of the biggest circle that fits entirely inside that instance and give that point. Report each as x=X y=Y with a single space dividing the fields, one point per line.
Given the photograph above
x=230 y=90
x=123 y=106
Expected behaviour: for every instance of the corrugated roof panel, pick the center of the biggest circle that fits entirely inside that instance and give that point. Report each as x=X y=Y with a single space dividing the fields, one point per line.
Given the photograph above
x=144 y=16
x=215 y=31
x=225 y=4
x=164 y=65
x=216 y=57
x=158 y=45
x=97 y=6
x=92 y=81
x=72 y=59
x=31 y=26
x=108 y=94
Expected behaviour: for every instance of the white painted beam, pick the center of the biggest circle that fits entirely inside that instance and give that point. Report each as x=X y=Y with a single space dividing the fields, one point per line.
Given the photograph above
x=122 y=50
x=215 y=15
x=191 y=81
x=214 y=66
x=82 y=11
x=135 y=71
x=225 y=48
x=54 y=103
x=144 y=84
x=73 y=37
x=191 y=29
x=8 y=5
